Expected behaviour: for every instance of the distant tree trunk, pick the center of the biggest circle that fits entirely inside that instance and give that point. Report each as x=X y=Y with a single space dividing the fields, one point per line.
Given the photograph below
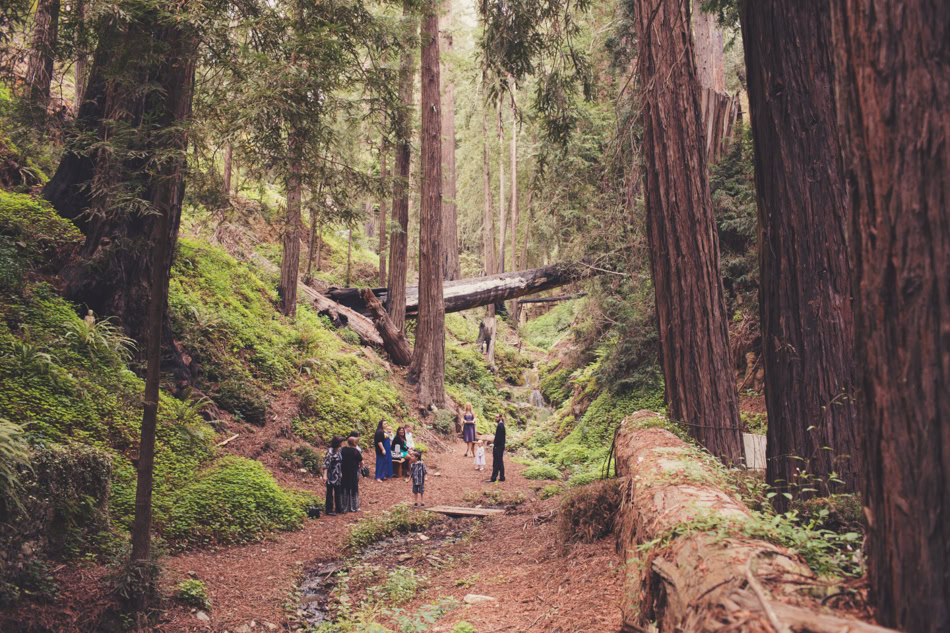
x=428 y=357
x=398 y=243
x=290 y=258
x=892 y=68
x=108 y=279
x=384 y=177
x=514 y=192
x=710 y=60
x=349 y=254
x=805 y=293
x=503 y=206
x=681 y=229
x=450 y=241
x=82 y=10
x=228 y=154
x=39 y=73
x=488 y=224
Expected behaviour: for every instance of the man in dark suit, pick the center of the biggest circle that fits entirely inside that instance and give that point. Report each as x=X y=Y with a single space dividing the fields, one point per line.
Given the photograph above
x=498 y=451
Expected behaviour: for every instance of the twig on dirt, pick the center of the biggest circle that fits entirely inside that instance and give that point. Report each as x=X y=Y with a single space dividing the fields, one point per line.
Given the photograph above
x=224 y=442
x=760 y=594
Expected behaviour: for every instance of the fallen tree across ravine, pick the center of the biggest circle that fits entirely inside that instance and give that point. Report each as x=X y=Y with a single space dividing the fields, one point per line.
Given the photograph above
x=694 y=560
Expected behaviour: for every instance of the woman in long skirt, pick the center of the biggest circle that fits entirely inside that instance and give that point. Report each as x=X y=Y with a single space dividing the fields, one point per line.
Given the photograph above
x=388 y=448
x=379 y=444
x=352 y=459
x=468 y=429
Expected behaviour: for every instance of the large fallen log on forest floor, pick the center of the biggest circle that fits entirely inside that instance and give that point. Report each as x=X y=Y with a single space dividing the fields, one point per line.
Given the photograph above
x=465 y=294
x=691 y=564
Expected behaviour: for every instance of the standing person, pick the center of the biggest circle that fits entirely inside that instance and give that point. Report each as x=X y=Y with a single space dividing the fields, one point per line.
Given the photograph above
x=480 y=456
x=333 y=475
x=410 y=442
x=387 y=445
x=418 y=476
x=468 y=429
x=379 y=443
x=351 y=461
x=498 y=451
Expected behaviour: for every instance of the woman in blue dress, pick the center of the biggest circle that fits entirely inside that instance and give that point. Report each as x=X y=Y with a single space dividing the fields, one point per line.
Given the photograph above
x=388 y=447
x=382 y=446
x=468 y=429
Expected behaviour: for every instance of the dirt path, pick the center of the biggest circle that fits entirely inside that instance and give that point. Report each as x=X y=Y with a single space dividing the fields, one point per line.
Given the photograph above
x=514 y=556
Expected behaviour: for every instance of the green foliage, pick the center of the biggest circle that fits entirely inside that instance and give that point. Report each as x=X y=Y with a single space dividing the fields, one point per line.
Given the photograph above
x=463 y=627
x=755 y=422
x=551 y=490
x=401 y=586
x=100 y=338
x=193 y=593
x=35 y=225
x=541 y=471
x=14 y=455
x=443 y=422
x=302 y=456
x=400 y=519
x=234 y=500
x=511 y=364
x=555 y=387
x=465 y=367
x=548 y=328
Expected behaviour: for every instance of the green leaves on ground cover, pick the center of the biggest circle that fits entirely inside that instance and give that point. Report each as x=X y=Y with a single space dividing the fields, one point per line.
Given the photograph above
x=401 y=519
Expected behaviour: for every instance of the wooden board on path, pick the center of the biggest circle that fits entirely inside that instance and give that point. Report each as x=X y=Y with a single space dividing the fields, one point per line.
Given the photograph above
x=458 y=511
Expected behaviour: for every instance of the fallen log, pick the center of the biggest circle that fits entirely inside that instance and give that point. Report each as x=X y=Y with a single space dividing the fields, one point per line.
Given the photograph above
x=711 y=576
x=553 y=299
x=357 y=322
x=465 y=294
x=394 y=341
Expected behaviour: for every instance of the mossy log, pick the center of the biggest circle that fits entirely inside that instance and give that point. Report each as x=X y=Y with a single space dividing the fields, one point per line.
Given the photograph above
x=703 y=580
x=394 y=341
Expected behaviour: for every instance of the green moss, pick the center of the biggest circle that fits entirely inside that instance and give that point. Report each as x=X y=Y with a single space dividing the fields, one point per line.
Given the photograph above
x=541 y=471
x=555 y=387
x=35 y=225
x=465 y=366
x=235 y=500
x=545 y=330
x=401 y=519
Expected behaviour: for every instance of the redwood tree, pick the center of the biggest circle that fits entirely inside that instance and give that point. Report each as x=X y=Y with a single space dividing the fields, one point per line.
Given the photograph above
x=384 y=177
x=892 y=68
x=39 y=73
x=450 y=250
x=684 y=248
x=399 y=240
x=428 y=357
x=805 y=291
x=290 y=256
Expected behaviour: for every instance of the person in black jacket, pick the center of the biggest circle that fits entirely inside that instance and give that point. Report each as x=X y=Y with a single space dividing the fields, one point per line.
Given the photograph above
x=498 y=451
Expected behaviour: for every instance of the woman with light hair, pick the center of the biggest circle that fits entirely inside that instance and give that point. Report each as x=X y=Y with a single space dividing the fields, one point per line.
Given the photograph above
x=468 y=429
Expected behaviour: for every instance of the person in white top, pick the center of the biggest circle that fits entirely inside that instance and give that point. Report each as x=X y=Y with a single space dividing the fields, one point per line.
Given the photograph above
x=480 y=455
x=410 y=443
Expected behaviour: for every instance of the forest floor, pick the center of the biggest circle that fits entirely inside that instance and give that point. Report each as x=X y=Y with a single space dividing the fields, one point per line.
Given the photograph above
x=540 y=584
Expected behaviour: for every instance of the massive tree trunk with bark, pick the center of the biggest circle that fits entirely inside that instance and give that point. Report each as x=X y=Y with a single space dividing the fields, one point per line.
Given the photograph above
x=114 y=271
x=290 y=259
x=384 y=177
x=710 y=60
x=892 y=70
x=805 y=291
x=39 y=72
x=488 y=217
x=502 y=204
x=681 y=229
x=514 y=189
x=450 y=241
x=399 y=240
x=428 y=358
x=81 y=63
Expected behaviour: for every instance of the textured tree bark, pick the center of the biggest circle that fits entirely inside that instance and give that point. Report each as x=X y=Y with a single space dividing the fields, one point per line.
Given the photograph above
x=115 y=265
x=394 y=341
x=228 y=155
x=805 y=292
x=39 y=72
x=681 y=229
x=384 y=177
x=702 y=580
x=450 y=241
x=81 y=70
x=892 y=68
x=502 y=203
x=290 y=259
x=710 y=60
x=514 y=191
x=398 y=242
x=428 y=357
x=488 y=224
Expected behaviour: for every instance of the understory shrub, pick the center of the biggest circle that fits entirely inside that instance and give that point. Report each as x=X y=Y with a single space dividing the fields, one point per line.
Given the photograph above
x=589 y=513
x=234 y=500
x=400 y=519
x=541 y=471
x=193 y=593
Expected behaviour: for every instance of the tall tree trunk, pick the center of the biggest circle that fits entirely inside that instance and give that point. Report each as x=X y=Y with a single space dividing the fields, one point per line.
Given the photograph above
x=39 y=73
x=503 y=206
x=81 y=70
x=488 y=223
x=681 y=229
x=290 y=258
x=514 y=192
x=450 y=241
x=349 y=254
x=428 y=358
x=384 y=177
x=398 y=243
x=228 y=155
x=710 y=60
x=115 y=265
x=892 y=68
x=805 y=294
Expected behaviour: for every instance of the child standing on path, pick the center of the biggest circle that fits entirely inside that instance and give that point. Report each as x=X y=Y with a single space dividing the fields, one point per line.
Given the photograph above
x=480 y=455
x=418 y=476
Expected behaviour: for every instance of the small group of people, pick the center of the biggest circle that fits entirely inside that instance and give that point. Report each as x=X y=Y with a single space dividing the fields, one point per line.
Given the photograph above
x=342 y=468
x=391 y=448
x=476 y=447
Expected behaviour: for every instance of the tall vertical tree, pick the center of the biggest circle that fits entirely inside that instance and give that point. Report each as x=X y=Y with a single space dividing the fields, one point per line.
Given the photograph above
x=428 y=358
x=892 y=69
x=681 y=229
x=710 y=60
x=384 y=177
x=399 y=240
x=290 y=257
x=488 y=217
x=514 y=190
x=502 y=203
x=450 y=249
x=39 y=72
x=805 y=291
x=81 y=8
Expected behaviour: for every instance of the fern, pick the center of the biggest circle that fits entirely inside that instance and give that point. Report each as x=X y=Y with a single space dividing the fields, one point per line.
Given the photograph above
x=14 y=455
